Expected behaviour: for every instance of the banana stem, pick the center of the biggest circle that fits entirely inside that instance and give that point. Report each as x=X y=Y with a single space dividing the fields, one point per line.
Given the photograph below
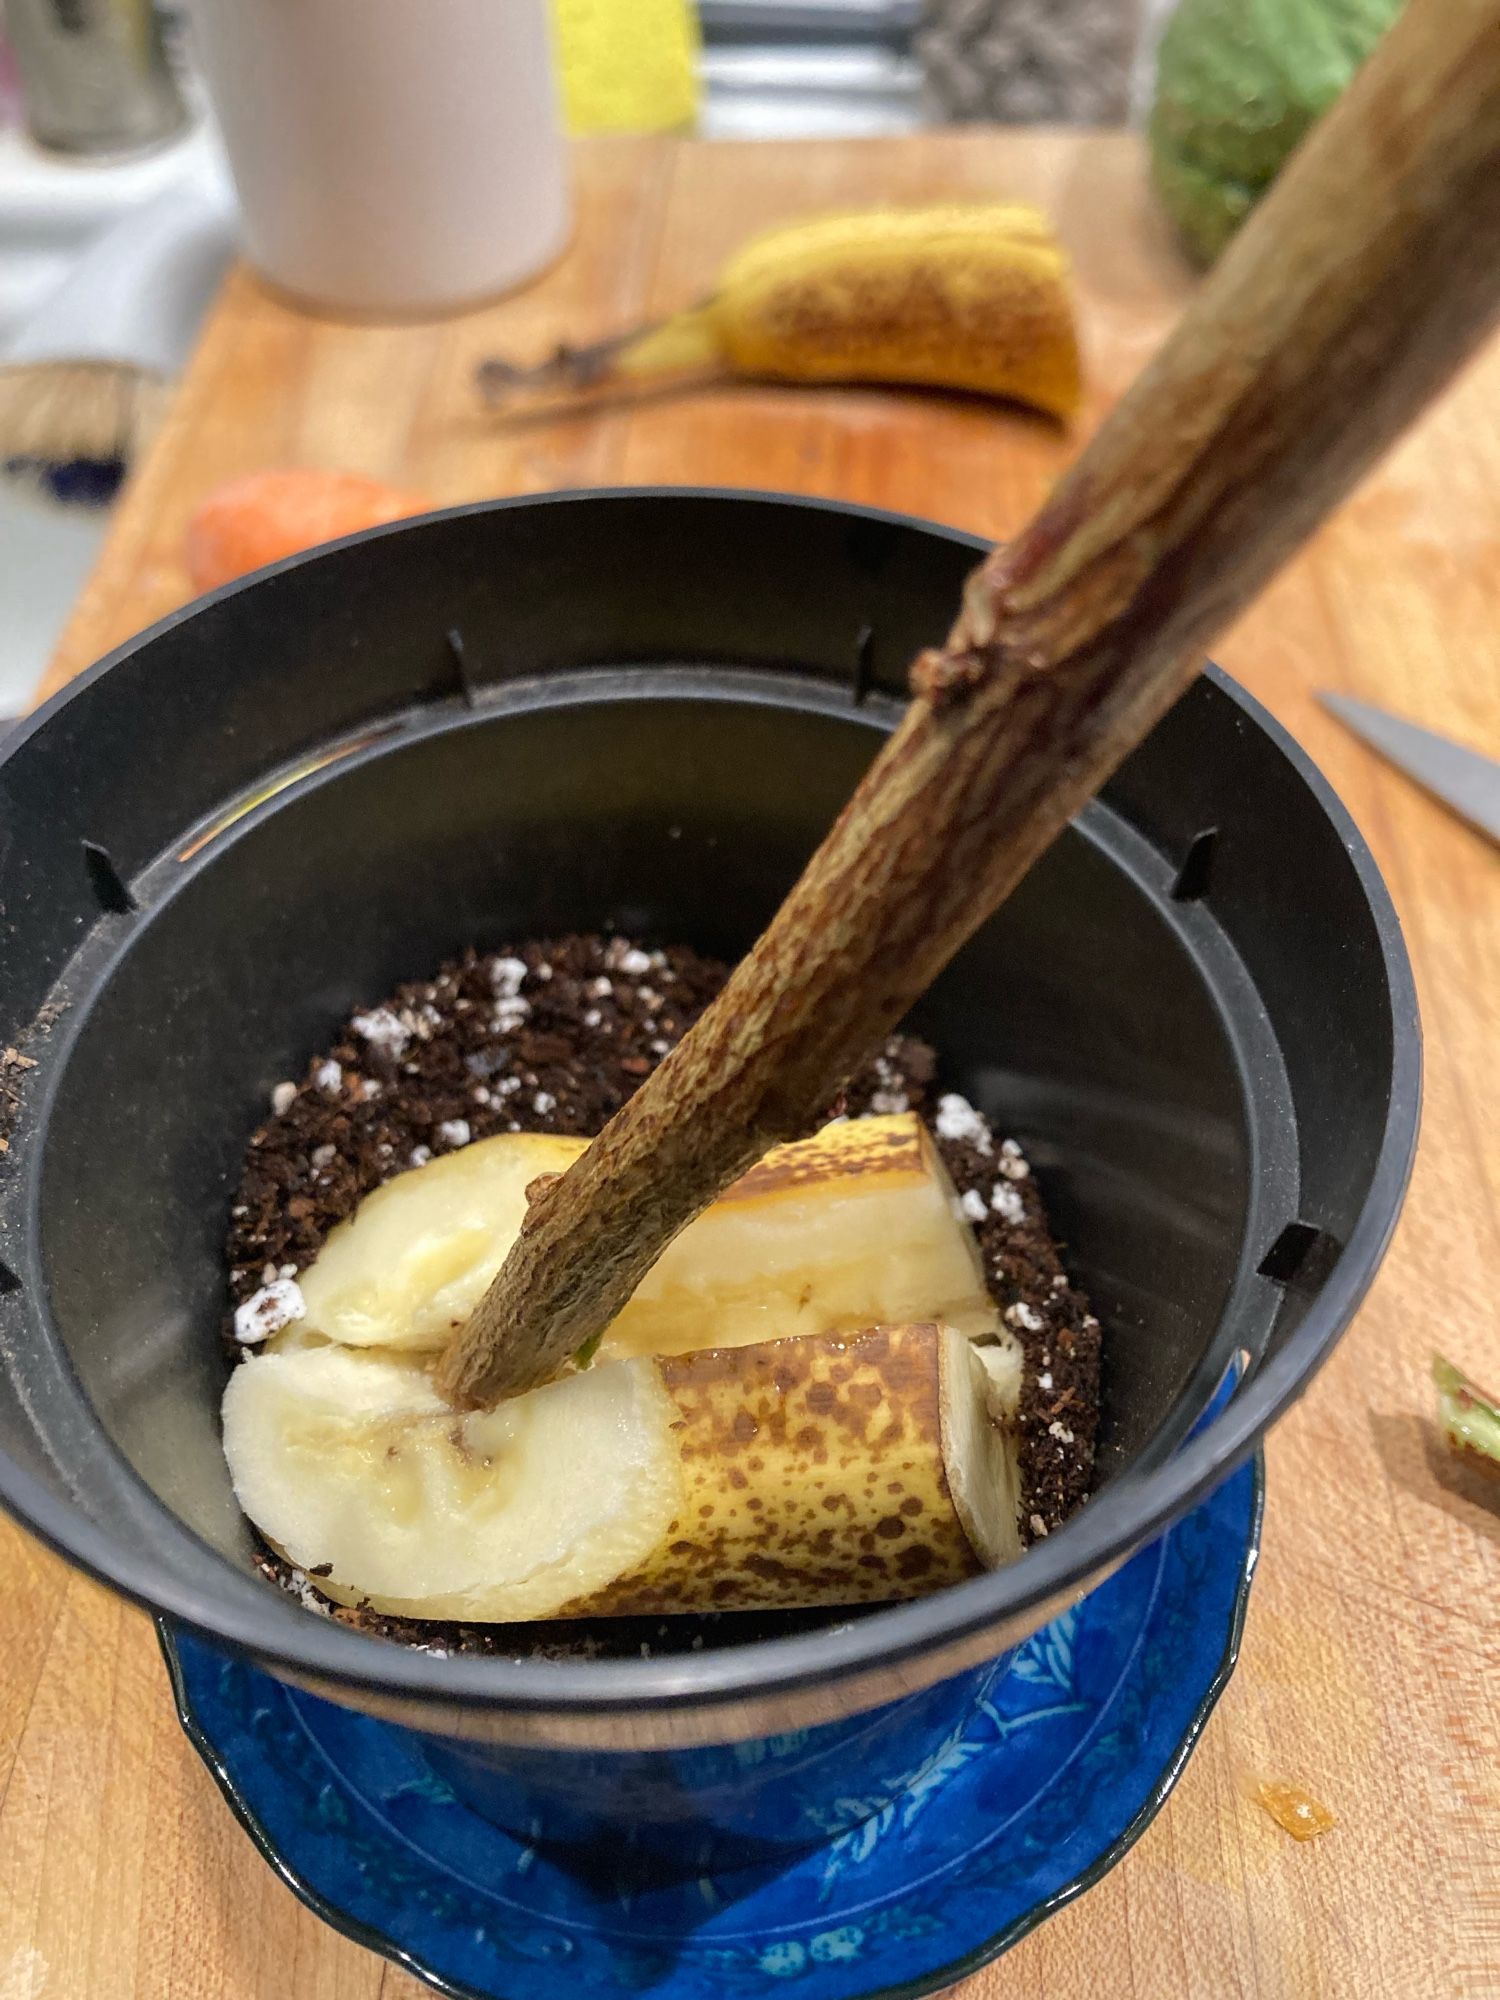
x=684 y=345
x=1366 y=276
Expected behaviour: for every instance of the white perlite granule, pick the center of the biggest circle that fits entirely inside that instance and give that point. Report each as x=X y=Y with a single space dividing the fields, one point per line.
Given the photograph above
x=592 y=1018
x=972 y=1207
x=382 y=1030
x=1011 y=1163
x=890 y=1100
x=633 y=963
x=1007 y=1204
x=1044 y=1380
x=267 y=1311
x=1026 y=1316
x=600 y=988
x=543 y=1102
x=306 y=1596
x=958 y=1120
x=510 y=1012
x=282 y=1098
x=329 y=1077
x=1038 y=1525
x=455 y=1132
x=419 y=1156
x=324 y=1156
x=506 y=977
x=1060 y=1432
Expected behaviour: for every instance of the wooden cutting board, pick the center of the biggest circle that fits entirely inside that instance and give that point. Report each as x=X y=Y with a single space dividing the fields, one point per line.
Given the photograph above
x=1371 y=1666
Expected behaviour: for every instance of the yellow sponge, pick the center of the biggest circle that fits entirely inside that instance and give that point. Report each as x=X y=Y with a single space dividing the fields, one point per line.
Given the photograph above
x=627 y=65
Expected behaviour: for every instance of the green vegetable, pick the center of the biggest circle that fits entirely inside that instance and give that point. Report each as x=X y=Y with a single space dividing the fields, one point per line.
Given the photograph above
x=1471 y=1420
x=1238 y=82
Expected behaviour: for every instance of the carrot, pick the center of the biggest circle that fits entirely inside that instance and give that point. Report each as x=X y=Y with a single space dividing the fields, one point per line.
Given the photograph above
x=268 y=515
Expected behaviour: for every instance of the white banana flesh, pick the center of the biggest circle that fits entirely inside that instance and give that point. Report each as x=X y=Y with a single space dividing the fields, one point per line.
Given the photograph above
x=351 y=1458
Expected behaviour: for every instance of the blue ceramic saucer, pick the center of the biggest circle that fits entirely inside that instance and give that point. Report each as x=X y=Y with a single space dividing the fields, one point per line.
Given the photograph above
x=1066 y=1761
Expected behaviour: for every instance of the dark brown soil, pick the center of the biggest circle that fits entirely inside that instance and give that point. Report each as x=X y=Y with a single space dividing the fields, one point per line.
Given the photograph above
x=553 y=1037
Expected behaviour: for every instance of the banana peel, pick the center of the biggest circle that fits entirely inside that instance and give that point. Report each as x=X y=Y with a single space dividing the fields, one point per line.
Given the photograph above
x=828 y=1471
x=960 y=295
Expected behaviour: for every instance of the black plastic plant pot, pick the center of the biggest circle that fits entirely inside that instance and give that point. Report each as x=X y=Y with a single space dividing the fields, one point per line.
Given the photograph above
x=643 y=709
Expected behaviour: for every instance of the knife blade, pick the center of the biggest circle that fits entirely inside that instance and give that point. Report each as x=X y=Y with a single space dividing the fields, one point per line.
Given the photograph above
x=1464 y=780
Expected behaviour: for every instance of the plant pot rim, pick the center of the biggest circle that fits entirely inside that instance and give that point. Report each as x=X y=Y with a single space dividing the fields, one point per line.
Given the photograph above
x=944 y=1632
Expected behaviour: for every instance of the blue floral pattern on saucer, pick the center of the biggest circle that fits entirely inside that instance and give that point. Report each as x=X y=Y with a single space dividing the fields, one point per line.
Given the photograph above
x=1065 y=1761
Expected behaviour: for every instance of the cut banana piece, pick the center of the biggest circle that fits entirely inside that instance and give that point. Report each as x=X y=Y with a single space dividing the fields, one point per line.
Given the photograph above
x=797 y=1472
x=353 y=1459
x=852 y=1228
x=829 y=1471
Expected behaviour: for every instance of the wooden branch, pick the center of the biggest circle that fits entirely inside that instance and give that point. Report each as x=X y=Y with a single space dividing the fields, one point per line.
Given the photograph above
x=1364 y=279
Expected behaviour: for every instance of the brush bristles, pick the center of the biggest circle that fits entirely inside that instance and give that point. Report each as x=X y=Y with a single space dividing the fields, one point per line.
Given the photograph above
x=54 y=413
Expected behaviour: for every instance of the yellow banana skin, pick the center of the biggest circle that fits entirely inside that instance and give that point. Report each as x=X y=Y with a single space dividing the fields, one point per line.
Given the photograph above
x=826 y=1471
x=963 y=295
x=958 y=297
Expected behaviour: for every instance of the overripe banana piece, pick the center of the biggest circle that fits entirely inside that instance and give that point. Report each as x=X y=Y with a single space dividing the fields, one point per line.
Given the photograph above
x=796 y=1472
x=350 y=1456
x=851 y=1228
x=962 y=295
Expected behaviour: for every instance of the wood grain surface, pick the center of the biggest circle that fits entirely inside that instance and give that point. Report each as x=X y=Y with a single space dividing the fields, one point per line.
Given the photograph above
x=1371 y=1667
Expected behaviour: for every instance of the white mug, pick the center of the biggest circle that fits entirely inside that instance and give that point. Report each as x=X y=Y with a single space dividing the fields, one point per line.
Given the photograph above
x=390 y=156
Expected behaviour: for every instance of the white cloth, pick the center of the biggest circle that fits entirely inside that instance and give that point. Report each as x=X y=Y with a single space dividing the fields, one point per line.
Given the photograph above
x=133 y=286
x=97 y=262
